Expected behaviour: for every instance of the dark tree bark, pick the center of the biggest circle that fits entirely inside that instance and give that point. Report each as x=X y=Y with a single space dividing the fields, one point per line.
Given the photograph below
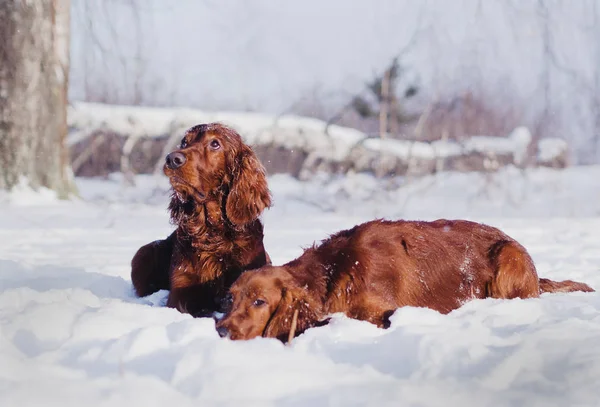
x=34 y=61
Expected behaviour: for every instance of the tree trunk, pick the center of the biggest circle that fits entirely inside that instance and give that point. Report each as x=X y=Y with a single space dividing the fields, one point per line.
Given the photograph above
x=595 y=154
x=34 y=50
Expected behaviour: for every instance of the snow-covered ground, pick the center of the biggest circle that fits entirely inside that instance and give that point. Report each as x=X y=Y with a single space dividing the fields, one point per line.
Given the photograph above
x=73 y=334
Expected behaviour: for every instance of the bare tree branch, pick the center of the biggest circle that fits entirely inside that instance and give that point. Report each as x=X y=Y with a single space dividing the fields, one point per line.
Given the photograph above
x=398 y=56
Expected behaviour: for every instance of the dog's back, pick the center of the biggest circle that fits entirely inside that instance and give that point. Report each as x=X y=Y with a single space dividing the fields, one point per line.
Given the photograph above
x=384 y=265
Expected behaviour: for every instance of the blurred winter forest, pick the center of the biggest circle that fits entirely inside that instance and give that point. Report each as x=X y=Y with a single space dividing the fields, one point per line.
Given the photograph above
x=465 y=67
x=391 y=87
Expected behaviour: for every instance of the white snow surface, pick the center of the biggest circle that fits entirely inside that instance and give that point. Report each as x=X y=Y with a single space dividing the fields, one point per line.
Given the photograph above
x=72 y=333
x=548 y=149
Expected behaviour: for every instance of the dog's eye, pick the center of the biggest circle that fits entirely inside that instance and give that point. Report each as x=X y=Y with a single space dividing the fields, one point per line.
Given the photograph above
x=214 y=144
x=183 y=144
x=258 y=302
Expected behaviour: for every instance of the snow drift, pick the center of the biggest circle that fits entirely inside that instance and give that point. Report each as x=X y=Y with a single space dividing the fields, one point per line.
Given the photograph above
x=72 y=332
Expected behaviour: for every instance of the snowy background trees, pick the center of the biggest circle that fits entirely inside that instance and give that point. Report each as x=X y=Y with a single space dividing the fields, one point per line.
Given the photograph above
x=482 y=67
x=407 y=70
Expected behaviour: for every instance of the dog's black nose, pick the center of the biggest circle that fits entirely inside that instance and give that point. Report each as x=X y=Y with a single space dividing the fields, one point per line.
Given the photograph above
x=222 y=331
x=175 y=160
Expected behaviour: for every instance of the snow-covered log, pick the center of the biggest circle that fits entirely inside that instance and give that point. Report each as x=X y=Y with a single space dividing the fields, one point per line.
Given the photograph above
x=288 y=144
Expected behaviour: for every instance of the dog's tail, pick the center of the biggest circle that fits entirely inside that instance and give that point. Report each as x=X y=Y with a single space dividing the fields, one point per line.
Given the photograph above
x=566 y=286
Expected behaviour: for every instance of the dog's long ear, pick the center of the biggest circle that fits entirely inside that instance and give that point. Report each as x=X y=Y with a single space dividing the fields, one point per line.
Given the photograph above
x=248 y=194
x=280 y=323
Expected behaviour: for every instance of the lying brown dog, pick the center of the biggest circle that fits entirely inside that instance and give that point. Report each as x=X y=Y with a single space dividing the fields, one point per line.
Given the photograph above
x=369 y=271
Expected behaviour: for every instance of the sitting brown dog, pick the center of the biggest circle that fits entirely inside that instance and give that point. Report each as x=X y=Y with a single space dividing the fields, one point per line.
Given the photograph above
x=369 y=271
x=219 y=190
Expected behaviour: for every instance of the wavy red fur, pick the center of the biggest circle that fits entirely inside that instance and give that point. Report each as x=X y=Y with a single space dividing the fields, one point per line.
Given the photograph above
x=369 y=271
x=218 y=194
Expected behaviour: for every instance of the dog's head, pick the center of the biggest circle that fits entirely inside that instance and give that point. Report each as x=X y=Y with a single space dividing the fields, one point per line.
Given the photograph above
x=262 y=303
x=213 y=161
